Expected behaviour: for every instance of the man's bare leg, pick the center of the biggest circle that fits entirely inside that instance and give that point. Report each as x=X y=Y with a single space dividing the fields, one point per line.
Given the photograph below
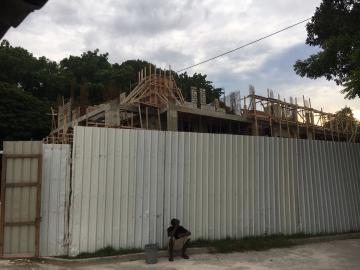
x=185 y=246
x=171 y=249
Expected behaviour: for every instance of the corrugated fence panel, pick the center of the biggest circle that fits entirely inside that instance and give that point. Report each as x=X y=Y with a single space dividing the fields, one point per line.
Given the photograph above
x=54 y=199
x=118 y=189
x=236 y=185
x=20 y=201
x=328 y=182
x=128 y=184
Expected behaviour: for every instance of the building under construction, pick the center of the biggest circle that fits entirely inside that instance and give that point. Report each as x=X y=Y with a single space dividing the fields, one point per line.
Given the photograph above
x=156 y=103
x=85 y=188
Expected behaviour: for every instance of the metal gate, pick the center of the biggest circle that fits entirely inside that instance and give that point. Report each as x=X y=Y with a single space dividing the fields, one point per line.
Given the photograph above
x=20 y=199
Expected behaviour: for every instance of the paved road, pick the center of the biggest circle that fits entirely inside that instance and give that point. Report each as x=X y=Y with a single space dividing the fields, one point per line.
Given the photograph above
x=344 y=254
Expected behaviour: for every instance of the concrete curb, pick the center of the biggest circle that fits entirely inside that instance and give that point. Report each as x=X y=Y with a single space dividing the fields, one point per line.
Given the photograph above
x=118 y=258
x=191 y=251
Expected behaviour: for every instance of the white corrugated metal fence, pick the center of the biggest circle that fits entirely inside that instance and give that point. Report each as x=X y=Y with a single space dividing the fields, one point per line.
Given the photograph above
x=118 y=189
x=21 y=179
x=128 y=184
x=28 y=164
x=55 y=199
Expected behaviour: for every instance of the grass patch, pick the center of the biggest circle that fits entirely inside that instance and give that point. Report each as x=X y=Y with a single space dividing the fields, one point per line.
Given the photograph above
x=257 y=243
x=248 y=243
x=104 y=252
x=228 y=245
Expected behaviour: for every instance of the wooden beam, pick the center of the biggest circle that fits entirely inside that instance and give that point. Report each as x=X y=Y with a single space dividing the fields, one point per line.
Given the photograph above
x=38 y=209
x=287 y=119
x=159 y=119
x=297 y=121
x=269 y=107
x=141 y=124
x=312 y=120
x=2 y=213
x=254 y=109
x=280 y=119
x=20 y=185
x=22 y=156
x=20 y=223
x=323 y=123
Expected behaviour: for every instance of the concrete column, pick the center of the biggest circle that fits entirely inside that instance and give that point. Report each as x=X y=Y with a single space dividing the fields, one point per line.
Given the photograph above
x=112 y=115
x=172 y=118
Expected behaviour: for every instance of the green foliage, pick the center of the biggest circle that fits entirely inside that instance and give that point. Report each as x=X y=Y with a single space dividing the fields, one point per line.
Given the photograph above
x=36 y=84
x=47 y=80
x=184 y=82
x=343 y=120
x=104 y=252
x=335 y=29
x=40 y=77
x=22 y=116
x=248 y=243
x=92 y=69
x=126 y=74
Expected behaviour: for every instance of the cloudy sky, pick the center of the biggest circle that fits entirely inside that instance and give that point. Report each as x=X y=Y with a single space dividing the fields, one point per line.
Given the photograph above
x=182 y=32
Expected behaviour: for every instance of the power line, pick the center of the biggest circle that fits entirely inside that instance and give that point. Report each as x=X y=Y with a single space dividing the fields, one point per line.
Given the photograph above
x=245 y=45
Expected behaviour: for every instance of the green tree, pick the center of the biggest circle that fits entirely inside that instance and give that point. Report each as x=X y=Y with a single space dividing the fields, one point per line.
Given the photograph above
x=345 y=118
x=100 y=76
x=30 y=85
x=184 y=82
x=40 y=77
x=92 y=69
x=126 y=74
x=335 y=28
x=22 y=116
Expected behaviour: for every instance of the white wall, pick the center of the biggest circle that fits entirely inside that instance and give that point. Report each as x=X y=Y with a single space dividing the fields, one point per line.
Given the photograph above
x=128 y=184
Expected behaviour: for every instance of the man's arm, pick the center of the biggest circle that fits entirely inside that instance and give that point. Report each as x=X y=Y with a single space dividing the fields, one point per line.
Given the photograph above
x=184 y=233
x=171 y=234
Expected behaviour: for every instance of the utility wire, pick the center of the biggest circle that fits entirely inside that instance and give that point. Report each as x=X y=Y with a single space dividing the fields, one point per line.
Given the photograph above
x=243 y=46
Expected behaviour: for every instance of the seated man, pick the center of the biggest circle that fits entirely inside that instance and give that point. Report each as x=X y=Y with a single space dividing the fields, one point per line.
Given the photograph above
x=178 y=238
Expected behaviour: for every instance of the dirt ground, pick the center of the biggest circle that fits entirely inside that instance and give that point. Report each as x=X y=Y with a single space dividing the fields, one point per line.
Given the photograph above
x=343 y=254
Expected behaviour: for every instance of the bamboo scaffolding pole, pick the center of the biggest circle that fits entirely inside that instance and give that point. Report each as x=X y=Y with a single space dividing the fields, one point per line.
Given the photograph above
x=280 y=118
x=287 y=119
x=140 y=117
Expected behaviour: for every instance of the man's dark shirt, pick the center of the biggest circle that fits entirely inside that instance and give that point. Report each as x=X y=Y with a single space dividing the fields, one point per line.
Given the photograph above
x=179 y=231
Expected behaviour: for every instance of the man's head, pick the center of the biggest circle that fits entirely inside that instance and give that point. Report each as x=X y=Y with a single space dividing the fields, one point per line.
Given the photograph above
x=175 y=222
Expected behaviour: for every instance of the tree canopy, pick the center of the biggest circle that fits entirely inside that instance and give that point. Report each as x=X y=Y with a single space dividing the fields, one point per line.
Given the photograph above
x=184 y=82
x=31 y=85
x=335 y=28
x=344 y=120
x=22 y=116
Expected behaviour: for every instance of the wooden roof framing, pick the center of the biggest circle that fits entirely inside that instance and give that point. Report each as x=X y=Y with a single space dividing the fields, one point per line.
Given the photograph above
x=155 y=89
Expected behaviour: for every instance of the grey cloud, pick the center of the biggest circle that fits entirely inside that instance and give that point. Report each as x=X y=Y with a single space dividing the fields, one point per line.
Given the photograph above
x=276 y=72
x=65 y=13
x=169 y=57
x=180 y=33
x=149 y=18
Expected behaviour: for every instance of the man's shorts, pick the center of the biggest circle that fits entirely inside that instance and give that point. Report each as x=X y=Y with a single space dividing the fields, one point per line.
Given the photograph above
x=179 y=243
